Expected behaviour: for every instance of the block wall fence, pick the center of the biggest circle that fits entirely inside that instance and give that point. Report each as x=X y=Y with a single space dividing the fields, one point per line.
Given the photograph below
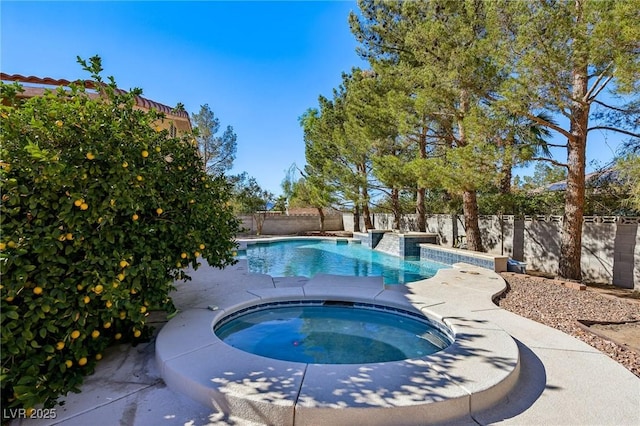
x=610 y=244
x=281 y=224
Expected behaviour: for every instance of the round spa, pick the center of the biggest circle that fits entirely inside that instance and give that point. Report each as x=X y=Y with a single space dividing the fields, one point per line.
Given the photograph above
x=332 y=332
x=278 y=358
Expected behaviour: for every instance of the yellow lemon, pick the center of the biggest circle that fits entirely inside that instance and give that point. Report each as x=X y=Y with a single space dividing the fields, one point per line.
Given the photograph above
x=84 y=206
x=90 y=156
x=143 y=309
x=109 y=304
x=78 y=202
x=121 y=276
x=159 y=211
x=124 y=263
x=133 y=291
x=79 y=287
x=95 y=334
x=125 y=164
x=75 y=334
x=98 y=289
x=196 y=254
x=118 y=336
x=139 y=178
x=3 y=246
x=135 y=217
x=136 y=333
x=37 y=290
x=201 y=246
x=12 y=244
x=122 y=315
x=86 y=300
x=115 y=284
x=82 y=361
x=69 y=236
x=107 y=324
x=183 y=255
x=145 y=154
x=98 y=357
x=60 y=346
x=68 y=363
x=62 y=237
x=59 y=123
x=157 y=149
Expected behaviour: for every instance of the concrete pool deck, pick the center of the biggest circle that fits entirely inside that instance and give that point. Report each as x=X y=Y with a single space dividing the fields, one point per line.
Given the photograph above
x=561 y=380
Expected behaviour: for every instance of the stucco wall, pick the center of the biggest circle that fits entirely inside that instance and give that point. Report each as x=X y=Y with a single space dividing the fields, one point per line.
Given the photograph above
x=610 y=245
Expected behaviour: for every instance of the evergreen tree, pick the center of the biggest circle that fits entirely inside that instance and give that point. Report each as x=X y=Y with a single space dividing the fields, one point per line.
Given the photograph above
x=217 y=152
x=563 y=55
x=444 y=50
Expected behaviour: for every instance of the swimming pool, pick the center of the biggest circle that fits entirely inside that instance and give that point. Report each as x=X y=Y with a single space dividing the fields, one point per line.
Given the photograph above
x=307 y=258
x=332 y=332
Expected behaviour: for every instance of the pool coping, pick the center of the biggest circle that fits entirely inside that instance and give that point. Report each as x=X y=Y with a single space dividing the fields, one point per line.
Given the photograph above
x=476 y=372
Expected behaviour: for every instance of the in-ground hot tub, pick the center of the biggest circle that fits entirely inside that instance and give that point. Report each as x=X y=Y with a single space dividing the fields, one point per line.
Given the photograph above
x=332 y=332
x=476 y=371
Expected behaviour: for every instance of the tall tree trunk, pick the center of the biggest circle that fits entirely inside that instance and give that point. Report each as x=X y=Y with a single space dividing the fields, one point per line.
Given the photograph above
x=356 y=218
x=507 y=172
x=421 y=211
x=321 y=215
x=469 y=200
x=395 y=205
x=571 y=239
x=368 y=224
x=470 y=206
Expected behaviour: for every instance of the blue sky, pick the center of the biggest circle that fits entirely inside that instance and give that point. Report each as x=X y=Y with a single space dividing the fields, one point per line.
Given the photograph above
x=259 y=65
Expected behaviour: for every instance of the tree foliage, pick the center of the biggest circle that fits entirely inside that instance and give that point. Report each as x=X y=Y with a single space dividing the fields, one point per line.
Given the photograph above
x=444 y=52
x=563 y=58
x=629 y=169
x=217 y=151
x=101 y=211
x=248 y=196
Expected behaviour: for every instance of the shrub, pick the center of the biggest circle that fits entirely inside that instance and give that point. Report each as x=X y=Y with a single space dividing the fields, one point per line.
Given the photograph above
x=101 y=211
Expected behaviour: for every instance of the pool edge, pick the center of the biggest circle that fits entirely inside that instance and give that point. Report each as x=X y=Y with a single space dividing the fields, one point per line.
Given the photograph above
x=490 y=386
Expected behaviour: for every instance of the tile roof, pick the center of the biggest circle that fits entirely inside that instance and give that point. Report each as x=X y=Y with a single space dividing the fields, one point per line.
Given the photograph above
x=47 y=81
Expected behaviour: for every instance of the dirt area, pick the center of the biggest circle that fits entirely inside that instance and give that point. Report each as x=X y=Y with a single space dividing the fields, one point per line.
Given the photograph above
x=625 y=333
x=604 y=316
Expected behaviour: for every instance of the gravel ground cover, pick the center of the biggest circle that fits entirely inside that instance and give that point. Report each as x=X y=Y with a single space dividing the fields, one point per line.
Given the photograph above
x=549 y=302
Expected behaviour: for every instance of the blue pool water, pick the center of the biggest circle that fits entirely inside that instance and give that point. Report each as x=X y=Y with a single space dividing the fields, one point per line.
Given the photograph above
x=321 y=334
x=310 y=257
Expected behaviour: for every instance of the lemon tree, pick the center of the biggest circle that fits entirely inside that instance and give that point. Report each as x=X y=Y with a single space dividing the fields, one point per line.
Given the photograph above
x=101 y=212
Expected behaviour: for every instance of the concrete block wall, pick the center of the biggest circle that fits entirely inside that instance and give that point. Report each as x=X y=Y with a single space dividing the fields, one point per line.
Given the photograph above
x=610 y=245
x=290 y=225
